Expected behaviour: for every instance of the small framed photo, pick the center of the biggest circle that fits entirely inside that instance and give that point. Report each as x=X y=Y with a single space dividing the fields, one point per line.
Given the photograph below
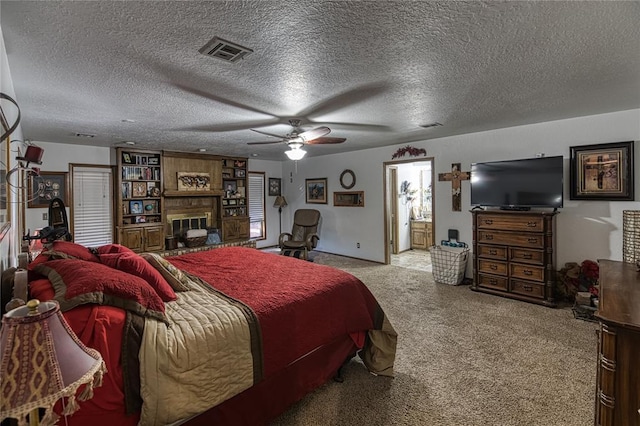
x=275 y=186
x=602 y=172
x=141 y=219
x=139 y=189
x=135 y=207
x=316 y=191
x=46 y=186
x=126 y=158
x=153 y=161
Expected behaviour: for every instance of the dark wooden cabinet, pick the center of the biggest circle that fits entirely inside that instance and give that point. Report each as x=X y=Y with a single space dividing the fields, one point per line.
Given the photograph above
x=236 y=228
x=513 y=254
x=142 y=238
x=139 y=197
x=618 y=364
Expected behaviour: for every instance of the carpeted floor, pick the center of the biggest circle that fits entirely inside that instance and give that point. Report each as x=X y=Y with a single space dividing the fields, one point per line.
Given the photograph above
x=464 y=358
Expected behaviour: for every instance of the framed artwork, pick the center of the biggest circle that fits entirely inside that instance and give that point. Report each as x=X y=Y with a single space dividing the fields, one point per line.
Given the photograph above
x=139 y=189
x=316 y=192
x=602 y=172
x=135 y=207
x=46 y=187
x=275 y=186
x=126 y=158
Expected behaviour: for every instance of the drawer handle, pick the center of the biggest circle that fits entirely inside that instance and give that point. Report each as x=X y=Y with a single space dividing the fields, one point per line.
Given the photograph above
x=528 y=288
x=493 y=267
x=532 y=240
x=488 y=237
x=493 y=252
x=527 y=256
x=488 y=222
x=527 y=272
x=532 y=224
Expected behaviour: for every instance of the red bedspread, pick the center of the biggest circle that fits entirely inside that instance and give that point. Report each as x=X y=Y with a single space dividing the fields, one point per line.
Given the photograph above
x=300 y=305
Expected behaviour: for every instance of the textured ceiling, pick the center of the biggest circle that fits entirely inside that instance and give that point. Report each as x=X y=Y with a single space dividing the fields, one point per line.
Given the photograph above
x=373 y=71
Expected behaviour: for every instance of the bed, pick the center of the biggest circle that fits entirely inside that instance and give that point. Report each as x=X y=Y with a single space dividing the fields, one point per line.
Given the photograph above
x=199 y=338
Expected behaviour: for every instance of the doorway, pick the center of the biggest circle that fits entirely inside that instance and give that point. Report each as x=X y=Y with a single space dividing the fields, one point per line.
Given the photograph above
x=409 y=201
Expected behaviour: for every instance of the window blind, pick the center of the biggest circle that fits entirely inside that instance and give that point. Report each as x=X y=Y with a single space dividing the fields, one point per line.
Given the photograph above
x=256 y=205
x=92 y=206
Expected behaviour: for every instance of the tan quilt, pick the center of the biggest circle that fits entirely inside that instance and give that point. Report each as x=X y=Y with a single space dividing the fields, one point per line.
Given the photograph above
x=208 y=354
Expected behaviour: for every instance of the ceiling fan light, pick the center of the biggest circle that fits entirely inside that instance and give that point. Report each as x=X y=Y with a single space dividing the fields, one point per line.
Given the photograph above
x=295 y=153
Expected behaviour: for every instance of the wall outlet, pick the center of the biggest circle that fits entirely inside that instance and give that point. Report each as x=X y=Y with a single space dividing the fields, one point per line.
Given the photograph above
x=357 y=245
x=45 y=216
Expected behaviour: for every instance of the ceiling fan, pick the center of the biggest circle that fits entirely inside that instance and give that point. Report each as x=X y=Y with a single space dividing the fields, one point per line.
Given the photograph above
x=298 y=137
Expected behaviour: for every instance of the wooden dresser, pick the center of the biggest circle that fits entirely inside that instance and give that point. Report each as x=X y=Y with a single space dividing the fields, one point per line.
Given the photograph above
x=513 y=254
x=618 y=373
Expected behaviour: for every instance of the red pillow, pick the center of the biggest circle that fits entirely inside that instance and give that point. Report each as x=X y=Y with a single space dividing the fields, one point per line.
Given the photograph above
x=63 y=250
x=113 y=248
x=134 y=264
x=78 y=282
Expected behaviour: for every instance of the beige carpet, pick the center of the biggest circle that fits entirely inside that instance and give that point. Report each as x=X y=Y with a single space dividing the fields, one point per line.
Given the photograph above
x=464 y=358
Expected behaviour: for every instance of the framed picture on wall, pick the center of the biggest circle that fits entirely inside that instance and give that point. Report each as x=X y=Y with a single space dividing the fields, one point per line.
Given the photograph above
x=275 y=186
x=316 y=192
x=46 y=187
x=602 y=172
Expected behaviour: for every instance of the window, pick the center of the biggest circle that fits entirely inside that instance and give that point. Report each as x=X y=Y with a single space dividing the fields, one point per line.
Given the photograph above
x=257 y=228
x=92 y=205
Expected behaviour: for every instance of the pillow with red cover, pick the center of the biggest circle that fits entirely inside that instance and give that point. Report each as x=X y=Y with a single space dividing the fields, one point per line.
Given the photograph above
x=113 y=248
x=78 y=282
x=135 y=264
x=63 y=250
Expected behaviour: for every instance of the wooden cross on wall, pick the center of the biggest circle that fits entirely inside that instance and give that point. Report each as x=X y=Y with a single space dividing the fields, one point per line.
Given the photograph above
x=456 y=176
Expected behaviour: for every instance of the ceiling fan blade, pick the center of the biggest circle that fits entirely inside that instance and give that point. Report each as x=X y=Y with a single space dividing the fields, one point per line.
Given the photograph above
x=265 y=142
x=312 y=134
x=222 y=100
x=358 y=126
x=342 y=100
x=325 y=140
x=228 y=127
x=268 y=134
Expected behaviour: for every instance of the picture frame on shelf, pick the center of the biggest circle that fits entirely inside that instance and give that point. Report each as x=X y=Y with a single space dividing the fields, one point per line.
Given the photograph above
x=139 y=189
x=153 y=161
x=275 y=186
x=602 y=172
x=316 y=191
x=46 y=186
x=240 y=173
x=126 y=158
x=141 y=219
x=135 y=207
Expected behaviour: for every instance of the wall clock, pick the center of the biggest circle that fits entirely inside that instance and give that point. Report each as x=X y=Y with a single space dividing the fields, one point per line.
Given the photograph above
x=347 y=179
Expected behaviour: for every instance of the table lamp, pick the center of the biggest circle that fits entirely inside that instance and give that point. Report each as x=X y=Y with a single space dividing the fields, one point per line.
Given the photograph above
x=41 y=362
x=280 y=202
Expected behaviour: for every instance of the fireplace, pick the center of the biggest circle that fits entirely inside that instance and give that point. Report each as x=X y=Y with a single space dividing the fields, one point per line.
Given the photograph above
x=181 y=223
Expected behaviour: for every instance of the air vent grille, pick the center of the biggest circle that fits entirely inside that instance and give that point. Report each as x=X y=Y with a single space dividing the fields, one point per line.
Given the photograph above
x=225 y=50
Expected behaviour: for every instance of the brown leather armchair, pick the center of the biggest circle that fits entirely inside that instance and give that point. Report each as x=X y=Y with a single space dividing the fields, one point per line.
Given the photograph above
x=304 y=235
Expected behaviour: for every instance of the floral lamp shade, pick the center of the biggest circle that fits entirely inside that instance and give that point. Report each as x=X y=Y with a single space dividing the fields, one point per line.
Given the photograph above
x=43 y=361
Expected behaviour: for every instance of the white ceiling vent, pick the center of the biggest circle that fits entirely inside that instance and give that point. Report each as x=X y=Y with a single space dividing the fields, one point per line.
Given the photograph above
x=225 y=50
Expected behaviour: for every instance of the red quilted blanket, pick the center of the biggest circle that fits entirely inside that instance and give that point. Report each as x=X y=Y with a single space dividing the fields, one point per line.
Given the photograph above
x=300 y=305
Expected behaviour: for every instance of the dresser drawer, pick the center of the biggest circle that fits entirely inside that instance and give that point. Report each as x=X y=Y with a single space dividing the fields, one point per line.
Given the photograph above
x=527 y=288
x=526 y=272
x=496 y=283
x=511 y=238
x=521 y=255
x=492 y=252
x=511 y=222
x=492 y=267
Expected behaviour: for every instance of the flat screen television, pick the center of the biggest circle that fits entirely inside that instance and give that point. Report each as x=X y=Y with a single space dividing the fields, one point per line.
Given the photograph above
x=518 y=184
